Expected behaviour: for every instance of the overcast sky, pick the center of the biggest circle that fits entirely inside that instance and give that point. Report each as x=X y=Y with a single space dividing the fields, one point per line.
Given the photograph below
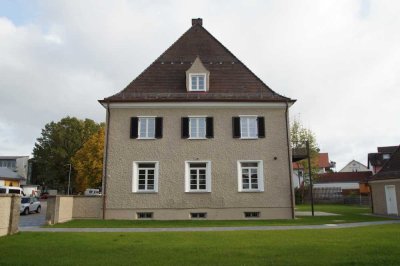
x=339 y=59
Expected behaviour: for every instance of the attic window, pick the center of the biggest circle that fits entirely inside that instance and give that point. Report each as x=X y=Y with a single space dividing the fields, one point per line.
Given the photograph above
x=386 y=156
x=197 y=82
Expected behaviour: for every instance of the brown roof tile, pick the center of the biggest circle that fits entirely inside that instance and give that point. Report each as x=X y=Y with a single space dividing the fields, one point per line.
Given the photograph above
x=165 y=78
x=343 y=177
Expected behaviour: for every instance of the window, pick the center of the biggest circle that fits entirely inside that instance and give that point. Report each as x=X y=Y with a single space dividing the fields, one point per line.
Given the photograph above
x=250 y=176
x=386 y=156
x=145 y=177
x=198 y=215
x=198 y=176
x=197 y=82
x=248 y=127
x=144 y=215
x=146 y=127
x=252 y=214
x=197 y=127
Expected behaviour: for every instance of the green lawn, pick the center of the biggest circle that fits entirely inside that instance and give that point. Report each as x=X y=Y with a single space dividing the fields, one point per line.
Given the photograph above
x=348 y=214
x=374 y=245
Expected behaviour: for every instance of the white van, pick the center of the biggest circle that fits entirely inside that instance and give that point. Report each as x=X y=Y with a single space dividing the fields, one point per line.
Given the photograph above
x=11 y=190
x=92 y=192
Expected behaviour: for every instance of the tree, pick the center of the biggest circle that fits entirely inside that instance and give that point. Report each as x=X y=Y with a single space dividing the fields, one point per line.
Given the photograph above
x=88 y=162
x=60 y=141
x=299 y=135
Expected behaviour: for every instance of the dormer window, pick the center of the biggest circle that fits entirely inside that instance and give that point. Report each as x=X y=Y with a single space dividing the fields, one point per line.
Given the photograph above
x=197 y=82
x=197 y=77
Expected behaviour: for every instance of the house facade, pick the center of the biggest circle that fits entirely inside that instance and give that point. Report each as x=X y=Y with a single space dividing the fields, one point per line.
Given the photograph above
x=9 y=178
x=354 y=166
x=385 y=186
x=197 y=136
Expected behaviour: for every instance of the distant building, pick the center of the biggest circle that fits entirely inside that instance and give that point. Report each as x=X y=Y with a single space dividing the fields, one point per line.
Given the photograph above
x=324 y=166
x=18 y=164
x=9 y=177
x=378 y=159
x=348 y=182
x=385 y=186
x=354 y=166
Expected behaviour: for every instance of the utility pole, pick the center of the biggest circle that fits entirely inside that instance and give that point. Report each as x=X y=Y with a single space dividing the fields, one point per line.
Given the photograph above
x=310 y=176
x=69 y=176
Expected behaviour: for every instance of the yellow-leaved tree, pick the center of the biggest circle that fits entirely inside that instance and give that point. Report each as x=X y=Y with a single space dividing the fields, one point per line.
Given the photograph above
x=88 y=162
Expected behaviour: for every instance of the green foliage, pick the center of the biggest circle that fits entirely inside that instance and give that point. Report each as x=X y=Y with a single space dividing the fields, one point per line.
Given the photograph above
x=88 y=162
x=59 y=141
x=299 y=135
x=373 y=245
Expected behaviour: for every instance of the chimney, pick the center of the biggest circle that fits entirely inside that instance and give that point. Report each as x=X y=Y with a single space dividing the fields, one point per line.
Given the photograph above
x=196 y=21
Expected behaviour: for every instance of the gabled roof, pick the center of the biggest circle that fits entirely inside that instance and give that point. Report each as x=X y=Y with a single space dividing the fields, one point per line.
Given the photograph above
x=391 y=169
x=344 y=177
x=323 y=161
x=165 y=78
x=8 y=174
x=354 y=162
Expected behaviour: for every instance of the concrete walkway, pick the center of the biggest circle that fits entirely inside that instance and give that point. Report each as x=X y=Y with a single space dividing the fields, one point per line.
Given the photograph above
x=207 y=229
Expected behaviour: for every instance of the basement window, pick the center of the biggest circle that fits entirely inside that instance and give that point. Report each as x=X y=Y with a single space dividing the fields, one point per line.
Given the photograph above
x=198 y=215
x=252 y=214
x=144 y=215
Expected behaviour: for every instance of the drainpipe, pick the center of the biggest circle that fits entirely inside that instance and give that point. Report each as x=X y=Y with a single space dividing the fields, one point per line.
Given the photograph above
x=289 y=158
x=106 y=160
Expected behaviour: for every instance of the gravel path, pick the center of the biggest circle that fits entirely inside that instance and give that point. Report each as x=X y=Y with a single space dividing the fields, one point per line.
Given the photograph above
x=208 y=229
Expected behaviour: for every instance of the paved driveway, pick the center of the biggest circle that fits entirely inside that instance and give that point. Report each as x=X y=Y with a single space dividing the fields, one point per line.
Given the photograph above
x=34 y=219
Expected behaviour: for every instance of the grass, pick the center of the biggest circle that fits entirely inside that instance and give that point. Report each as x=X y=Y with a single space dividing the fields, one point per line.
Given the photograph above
x=347 y=214
x=374 y=245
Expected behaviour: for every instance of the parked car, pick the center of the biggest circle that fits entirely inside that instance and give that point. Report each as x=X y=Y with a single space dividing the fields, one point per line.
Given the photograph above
x=44 y=195
x=30 y=204
x=11 y=190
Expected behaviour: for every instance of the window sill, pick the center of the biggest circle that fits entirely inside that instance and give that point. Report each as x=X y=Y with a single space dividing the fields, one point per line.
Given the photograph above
x=196 y=192
x=146 y=138
x=249 y=138
x=198 y=138
x=145 y=192
x=251 y=190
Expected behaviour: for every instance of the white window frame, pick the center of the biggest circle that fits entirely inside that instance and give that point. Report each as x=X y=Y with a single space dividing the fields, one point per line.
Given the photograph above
x=242 y=117
x=135 y=177
x=260 y=176
x=208 y=177
x=192 y=75
x=191 y=118
x=147 y=127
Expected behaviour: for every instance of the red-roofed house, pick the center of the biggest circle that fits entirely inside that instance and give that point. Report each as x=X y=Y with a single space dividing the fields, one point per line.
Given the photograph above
x=197 y=135
x=324 y=165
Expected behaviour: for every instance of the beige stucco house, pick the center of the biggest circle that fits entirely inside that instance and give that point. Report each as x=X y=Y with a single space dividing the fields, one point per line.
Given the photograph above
x=385 y=187
x=197 y=135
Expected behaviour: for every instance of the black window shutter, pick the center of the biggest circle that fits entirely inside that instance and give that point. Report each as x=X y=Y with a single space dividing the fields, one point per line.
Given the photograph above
x=209 y=127
x=236 y=127
x=159 y=127
x=261 y=127
x=134 y=127
x=185 y=127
